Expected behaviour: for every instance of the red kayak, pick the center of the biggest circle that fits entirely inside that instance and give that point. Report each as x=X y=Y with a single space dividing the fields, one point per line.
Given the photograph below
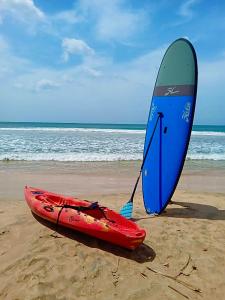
x=84 y=216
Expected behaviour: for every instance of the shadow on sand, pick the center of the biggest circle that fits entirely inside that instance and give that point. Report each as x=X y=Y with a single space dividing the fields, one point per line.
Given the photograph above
x=142 y=254
x=189 y=210
x=193 y=210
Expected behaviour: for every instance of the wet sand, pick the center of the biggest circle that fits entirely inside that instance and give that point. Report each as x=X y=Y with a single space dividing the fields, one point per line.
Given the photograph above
x=183 y=256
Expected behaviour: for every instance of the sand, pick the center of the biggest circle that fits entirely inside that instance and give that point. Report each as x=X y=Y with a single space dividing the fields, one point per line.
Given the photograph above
x=183 y=255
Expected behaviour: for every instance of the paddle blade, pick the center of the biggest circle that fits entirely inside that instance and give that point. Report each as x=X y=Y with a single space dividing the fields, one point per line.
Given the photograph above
x=126 y=210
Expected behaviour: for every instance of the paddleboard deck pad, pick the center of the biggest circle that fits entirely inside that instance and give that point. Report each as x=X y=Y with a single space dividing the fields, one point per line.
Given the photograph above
x=84 y=216
x=174 y=99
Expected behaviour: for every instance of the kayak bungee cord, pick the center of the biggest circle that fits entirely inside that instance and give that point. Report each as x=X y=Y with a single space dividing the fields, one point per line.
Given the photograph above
x=92 y=206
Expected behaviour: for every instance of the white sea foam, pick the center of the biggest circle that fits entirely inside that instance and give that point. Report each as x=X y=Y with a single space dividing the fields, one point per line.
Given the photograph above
x=207 y=133
x=69 y=157
x=209 y=156
x=104 y=130
x=56 y=129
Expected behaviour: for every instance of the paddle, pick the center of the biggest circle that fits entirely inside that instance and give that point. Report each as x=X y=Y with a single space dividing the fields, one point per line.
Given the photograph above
x=127 y=209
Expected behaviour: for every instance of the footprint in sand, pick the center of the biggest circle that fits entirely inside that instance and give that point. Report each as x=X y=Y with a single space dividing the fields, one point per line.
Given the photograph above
x=4 y=232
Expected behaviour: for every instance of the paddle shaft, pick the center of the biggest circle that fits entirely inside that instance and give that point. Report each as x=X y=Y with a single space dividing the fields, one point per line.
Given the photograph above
x=160 y=115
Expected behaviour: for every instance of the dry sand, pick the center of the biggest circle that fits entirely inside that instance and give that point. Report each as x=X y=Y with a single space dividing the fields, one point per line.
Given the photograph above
x=186 y=243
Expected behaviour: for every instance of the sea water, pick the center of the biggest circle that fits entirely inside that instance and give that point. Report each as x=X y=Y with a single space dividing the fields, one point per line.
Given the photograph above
x=96 y=142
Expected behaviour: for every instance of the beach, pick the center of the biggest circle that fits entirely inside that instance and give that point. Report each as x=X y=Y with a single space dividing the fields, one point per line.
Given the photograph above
x=112 y=109
x=182 y=257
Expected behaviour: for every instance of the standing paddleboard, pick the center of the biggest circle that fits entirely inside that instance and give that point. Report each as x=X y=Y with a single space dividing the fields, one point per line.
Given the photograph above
x=172 y=112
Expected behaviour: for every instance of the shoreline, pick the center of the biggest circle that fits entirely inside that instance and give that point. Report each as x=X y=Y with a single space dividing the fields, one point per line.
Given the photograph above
x=188 y=162
x=84 y=179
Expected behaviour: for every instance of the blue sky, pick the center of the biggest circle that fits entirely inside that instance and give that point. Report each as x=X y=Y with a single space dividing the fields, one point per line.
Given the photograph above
x=97 y=60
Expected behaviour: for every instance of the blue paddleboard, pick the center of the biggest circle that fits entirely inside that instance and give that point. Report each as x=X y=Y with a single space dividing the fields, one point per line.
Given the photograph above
x=172 y=112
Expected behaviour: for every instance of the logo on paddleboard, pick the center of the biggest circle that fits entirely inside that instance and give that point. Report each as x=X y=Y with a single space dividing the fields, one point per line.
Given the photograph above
x=171 y=91
x=186 y=112
x=152 y=112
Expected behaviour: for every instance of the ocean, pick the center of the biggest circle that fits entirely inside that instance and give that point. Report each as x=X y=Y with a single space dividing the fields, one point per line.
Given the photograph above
x=96 y=142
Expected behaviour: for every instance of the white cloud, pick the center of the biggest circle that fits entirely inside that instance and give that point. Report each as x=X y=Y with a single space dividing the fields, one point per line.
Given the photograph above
x=114 y=22
x=45 y=84
x=210 y=100
x=109 y=20
x=69 y=16
x=10 y=64
x=22 y=10
x=92 y=71
x=73 y=46
x=186 y=9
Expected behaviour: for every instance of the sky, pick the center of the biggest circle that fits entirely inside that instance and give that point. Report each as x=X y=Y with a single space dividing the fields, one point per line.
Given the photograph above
x=97 y=60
